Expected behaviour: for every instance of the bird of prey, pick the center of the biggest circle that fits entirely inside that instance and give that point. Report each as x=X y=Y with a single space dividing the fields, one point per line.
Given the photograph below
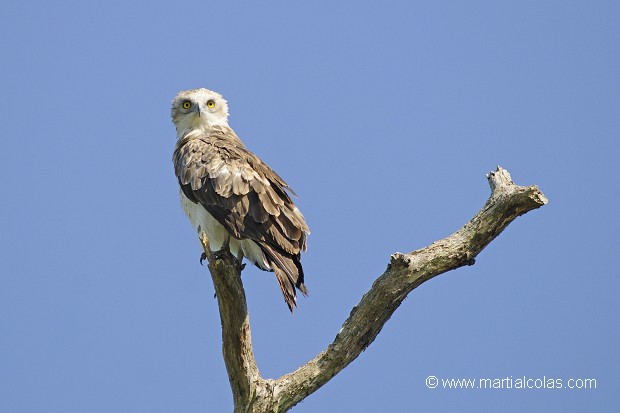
x=231 y=196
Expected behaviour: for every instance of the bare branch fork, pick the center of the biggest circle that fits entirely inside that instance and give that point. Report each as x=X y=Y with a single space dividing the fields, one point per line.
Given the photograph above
x=405 y=272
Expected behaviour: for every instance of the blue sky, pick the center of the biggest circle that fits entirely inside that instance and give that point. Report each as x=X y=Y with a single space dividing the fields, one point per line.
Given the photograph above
x=384 y=118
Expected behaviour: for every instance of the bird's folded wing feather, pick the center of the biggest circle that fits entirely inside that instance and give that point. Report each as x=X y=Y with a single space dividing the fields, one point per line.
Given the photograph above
x=247 y=197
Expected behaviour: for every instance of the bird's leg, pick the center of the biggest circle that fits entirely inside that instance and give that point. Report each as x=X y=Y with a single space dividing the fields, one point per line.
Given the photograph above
x=240 y=259
x=223 y=251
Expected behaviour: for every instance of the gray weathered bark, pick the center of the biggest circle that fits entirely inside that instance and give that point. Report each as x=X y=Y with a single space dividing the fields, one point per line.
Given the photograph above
x=252 y=393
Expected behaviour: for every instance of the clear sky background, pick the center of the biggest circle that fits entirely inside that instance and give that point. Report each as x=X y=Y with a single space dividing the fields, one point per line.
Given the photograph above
x=384 y=117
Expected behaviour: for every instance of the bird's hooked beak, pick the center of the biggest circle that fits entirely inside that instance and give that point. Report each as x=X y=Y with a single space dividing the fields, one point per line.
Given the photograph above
x=198 y=111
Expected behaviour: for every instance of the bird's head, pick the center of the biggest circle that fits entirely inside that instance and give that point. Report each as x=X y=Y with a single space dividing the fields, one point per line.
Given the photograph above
x=198 y=109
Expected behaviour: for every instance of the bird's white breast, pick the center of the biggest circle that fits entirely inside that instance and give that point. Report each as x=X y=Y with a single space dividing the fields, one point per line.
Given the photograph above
x=203 y=221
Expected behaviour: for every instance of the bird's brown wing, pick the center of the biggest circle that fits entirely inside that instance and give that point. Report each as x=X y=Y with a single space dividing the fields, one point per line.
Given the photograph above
x=247 y=197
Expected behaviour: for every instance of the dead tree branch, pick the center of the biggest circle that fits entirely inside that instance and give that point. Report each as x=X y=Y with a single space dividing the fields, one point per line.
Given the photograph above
x=405 y=272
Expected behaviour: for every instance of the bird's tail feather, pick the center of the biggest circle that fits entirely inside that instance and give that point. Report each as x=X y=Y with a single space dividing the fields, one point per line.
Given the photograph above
x=289 y=273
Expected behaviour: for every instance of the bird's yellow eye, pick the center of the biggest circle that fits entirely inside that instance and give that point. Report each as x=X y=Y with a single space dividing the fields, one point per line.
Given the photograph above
x=187 y=104
x=210 y=104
